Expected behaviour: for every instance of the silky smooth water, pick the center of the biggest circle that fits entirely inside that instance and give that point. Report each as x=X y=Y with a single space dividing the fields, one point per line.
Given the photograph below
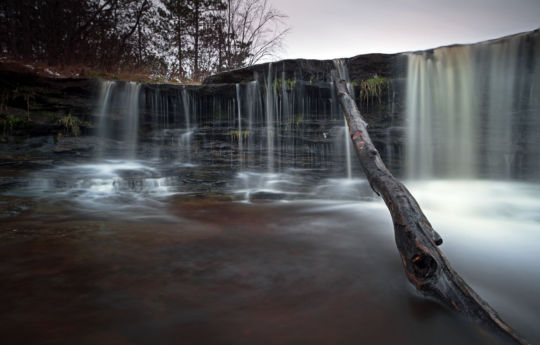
x=131 y=119
x=343 y=73
x=102 y=111
x=289 y=257
x=473 y=110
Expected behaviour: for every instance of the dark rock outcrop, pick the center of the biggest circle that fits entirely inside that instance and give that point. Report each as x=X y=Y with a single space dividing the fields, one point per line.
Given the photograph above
x=311 y=123
x=361 y=67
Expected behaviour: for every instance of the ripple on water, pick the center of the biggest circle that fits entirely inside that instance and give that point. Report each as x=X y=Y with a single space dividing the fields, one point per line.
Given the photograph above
x=118 y=187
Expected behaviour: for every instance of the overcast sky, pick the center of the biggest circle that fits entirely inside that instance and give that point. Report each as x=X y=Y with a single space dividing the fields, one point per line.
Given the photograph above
x=324 y=29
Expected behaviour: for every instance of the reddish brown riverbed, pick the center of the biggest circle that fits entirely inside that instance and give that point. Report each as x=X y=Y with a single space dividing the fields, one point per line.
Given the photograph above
x=216 y=272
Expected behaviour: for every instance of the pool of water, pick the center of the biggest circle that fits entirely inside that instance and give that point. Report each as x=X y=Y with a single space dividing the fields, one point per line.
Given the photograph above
x=138 y=252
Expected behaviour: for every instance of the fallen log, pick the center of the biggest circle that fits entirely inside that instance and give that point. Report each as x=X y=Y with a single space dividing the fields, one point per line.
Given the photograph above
x=425 y=265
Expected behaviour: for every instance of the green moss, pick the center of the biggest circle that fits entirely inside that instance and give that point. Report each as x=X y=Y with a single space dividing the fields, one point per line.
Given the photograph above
x=279 y=83
x=236 y=134
x=4 y=98
x=71 y=124
x=372 y=88
x=52 y=117
x=221 y=116
x=95 y=74
x=295 y=121
x=28 y=94
x=11 y=124
x=298 y=119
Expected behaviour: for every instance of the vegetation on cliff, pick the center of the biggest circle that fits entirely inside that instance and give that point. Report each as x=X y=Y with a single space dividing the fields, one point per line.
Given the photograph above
x=177 y=39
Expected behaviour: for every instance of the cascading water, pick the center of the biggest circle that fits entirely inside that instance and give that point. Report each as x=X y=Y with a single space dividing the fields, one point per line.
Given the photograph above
x=473 y=149
x=347 y=149
x=117 y=113
x=291 y=124
x=534 y=106
x=240 y=132
x=131 y=119
x=185 y=138
x=469 y=110
x=254 y=109
x=101 y=113
x=114 y=181
x=270 y=130
x=343 y=72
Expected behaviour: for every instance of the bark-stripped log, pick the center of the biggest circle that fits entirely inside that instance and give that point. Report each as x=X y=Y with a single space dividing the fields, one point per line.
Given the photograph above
x=425 y=265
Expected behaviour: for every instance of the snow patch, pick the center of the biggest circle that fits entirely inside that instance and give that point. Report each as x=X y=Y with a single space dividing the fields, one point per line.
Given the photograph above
x=52 y=73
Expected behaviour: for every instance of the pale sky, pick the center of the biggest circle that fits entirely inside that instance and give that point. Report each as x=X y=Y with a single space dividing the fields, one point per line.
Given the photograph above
x=325 y=29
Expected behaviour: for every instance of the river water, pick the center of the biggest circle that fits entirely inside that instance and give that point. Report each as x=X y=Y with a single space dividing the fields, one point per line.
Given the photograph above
x=118 y=252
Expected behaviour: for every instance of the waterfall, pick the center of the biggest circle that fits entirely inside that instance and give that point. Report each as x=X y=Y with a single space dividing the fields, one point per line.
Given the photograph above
x=187 y=108
x=240 y=133
x=341 y=67
x=131 y=119
x=469 y=112
x=343 y=72
x=532 y=146
x=125 y=101
x=101 y=113
x=255 y=109
x=418 y=104
x=185 y=138
x=348 y=149
x=280 y=122
x=270 y=131
x=160 y=111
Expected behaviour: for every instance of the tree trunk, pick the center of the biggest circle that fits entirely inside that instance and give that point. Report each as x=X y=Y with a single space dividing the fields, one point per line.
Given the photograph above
x=180 y=53
x=425 y=265
x=196 y=45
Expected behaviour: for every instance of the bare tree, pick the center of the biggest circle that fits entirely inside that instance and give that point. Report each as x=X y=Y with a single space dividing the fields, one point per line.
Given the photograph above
x=255 y=30
x=180 y=38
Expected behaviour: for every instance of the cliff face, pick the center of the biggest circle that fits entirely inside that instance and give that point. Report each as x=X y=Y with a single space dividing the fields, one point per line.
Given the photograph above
x=65 y=113
x=35 y=111
x=40 y=101
x=361 y=67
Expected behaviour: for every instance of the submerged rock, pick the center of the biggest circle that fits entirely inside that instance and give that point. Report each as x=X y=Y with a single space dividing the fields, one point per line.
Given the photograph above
x=76 y=145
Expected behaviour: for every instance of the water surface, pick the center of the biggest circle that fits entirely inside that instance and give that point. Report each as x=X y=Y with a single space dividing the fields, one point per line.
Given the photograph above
x=112 y=255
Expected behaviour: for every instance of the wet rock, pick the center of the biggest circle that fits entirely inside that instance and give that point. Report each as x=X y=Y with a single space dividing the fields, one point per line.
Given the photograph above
x=49 y=99
x=360 y=67
x=267 y=196
x=76 y=145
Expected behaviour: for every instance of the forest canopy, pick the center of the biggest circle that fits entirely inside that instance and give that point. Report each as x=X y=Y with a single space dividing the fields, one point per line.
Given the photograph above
x=179 y=39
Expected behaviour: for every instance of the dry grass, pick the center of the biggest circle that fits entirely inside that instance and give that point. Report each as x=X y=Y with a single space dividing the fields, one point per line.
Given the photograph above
x=81 y=71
